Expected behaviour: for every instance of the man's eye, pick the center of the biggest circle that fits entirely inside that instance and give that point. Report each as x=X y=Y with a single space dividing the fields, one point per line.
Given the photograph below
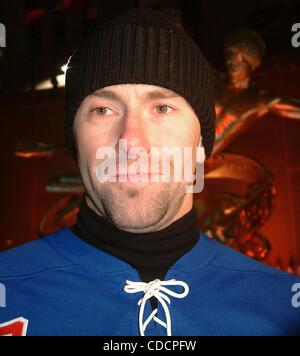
x=103 y=111
x=163 y=109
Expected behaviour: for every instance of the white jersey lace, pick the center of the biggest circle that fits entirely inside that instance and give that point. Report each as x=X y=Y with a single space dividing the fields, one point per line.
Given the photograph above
x=157 y=289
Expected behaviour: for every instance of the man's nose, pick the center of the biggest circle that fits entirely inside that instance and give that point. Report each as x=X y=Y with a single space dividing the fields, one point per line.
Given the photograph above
x=134 y=130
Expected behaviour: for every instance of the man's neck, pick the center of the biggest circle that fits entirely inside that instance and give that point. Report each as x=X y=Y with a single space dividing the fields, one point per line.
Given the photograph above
x=151 y=254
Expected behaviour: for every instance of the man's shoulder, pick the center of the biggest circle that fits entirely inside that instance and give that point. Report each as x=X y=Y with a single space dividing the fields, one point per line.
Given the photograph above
x=33 y=257
x=254 y=287
x=232 y=261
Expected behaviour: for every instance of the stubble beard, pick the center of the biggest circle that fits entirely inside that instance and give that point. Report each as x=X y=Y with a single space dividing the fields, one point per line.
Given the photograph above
x=139 y=209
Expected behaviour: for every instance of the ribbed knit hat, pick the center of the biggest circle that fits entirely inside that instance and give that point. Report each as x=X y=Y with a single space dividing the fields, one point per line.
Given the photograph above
x=143 y=47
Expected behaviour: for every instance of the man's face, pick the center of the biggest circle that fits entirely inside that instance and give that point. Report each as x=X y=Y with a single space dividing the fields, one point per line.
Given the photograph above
x=146 y=116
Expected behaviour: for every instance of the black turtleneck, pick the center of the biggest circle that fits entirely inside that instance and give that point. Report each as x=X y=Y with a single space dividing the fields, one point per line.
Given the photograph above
x=151 y=254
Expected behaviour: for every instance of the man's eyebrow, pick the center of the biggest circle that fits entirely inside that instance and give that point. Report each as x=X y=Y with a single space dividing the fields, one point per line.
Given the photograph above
x=154 y=94
x=159 y=94
x=107 y=94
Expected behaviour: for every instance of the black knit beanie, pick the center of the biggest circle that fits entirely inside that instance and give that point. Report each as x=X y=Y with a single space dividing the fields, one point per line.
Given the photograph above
x=141 y=46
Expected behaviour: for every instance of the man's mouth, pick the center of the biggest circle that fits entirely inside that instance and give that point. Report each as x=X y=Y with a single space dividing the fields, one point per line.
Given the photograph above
x=137 y=177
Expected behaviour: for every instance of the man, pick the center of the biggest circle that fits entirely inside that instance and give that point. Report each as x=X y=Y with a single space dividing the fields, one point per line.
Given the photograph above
x=135 y=264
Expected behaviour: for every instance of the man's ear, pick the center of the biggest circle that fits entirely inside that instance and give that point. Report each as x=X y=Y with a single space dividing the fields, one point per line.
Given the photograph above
x=198 y=178
x=200 y=152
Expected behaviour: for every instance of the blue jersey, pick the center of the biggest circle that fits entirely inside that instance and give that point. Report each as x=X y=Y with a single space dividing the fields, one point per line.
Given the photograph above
x=60 y=285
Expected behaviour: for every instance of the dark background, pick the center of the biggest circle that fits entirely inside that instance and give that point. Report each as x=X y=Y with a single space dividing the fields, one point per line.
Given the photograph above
x=40 y=37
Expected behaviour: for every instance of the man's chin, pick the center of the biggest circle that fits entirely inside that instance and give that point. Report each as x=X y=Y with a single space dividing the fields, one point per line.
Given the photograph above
x=131 y=220
x=139 y=207
x=133 y=210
